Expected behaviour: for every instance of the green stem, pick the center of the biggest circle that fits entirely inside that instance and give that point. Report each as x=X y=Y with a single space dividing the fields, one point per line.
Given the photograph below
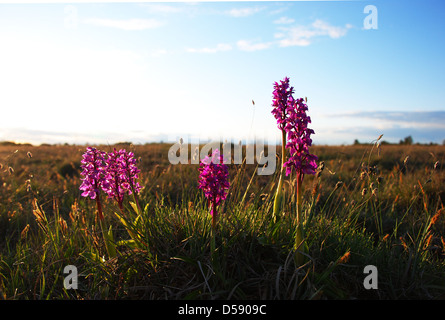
x=278 y=198
x=214 y=213
x=213 y=254
x=299 y=236
x=99 y=215
x=136 y=200
x=107 y=235
x=299 y=181
x=279 y=192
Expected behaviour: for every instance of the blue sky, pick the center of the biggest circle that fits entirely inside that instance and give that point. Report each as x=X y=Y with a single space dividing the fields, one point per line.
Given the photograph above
x=105 y=72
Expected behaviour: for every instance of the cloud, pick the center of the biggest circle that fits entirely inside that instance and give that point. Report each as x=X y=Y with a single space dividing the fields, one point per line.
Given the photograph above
x=301 y=35
x=279 y=10
x=297 y=35
x=219 y=48
x=414 y=119
x=244 y=12
x=161 y=8
x=284 y=20
x=245 y=45
x=423 y=126
x=326 y=29
x=159 y=52
x=128 y=24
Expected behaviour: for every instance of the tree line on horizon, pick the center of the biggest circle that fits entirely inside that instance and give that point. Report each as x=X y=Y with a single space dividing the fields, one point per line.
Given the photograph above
x=408 y=140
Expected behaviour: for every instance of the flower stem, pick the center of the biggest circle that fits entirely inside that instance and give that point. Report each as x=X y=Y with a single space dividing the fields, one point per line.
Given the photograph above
x=107 y=236
x=135 y=197
x=299 y=236
x=279 y=191
x=99 y=215
x=298 y=182
x=214 y=214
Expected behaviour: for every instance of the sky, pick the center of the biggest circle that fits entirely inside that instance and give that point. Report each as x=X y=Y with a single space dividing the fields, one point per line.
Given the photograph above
x=105 y=72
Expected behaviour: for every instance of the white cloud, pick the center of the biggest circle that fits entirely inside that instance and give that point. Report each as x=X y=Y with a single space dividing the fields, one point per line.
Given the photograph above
x=293 y=38
x=220 y=47
x=423 y=126
x=128 y=24
x=278 y=11
x=161 y=8
x=159 y=52
x=299 y=35
x=333 y=32
x=284 y=20
x=292 y=35
x=244 y=12
x=403 y=119
x=245 y=45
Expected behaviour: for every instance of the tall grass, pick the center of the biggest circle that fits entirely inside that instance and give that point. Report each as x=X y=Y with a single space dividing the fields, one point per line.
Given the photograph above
x=169 y=251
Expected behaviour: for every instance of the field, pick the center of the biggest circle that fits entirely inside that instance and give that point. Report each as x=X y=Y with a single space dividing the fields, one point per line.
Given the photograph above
x=378 y=205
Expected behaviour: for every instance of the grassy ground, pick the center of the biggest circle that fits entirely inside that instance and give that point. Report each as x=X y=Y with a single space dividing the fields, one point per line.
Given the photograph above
x=369 y=206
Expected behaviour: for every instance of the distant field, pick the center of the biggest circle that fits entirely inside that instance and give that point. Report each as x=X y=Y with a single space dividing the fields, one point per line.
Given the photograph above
x=371 y=205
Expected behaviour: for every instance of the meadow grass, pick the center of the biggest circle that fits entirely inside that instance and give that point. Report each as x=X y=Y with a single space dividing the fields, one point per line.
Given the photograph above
x=370 y=205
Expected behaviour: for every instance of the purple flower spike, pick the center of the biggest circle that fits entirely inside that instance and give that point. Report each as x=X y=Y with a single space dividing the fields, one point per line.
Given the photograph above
x=94 y=173
x=115 y=178
x=129 y=171
x=115 y=173
x=213 y=180
x=121 y=175
x=293 y=121
x=282 y=99
x=299 y=140
x=94 y=176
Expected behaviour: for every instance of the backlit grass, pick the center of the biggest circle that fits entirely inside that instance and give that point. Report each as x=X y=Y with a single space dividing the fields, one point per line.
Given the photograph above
x=369 y=206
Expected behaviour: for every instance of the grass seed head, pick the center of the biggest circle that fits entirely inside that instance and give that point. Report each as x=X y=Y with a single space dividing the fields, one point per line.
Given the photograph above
x=63 y=225
x=403 y=243
x=24 y=232
x=428 y=242
x=364 y=192
x=345 y=258
x=320 y=169
x=436 y=217
x=338 y=184
x=405 y=161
